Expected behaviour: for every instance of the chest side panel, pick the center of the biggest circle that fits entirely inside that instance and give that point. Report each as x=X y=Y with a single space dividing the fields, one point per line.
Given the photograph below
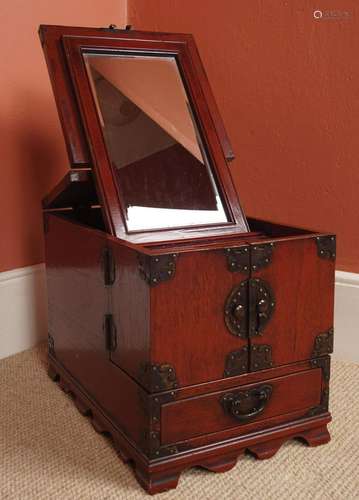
x=76 y=293
x=78 y=301
x=188 y=327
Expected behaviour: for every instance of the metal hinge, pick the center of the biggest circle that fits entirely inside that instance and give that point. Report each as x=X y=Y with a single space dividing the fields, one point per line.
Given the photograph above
x=238 y=259
x=261 y=256
x=260 y=357
x=113 y=27
x=236 y=362
x=110 y=332
x=109 y=267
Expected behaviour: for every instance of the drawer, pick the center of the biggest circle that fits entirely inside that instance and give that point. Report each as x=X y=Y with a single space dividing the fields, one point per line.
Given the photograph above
x=240 y=406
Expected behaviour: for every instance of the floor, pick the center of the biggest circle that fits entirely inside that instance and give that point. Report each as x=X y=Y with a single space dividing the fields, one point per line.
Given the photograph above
x=49 y=451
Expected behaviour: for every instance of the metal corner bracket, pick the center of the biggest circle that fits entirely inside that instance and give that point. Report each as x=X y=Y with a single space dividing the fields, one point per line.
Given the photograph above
x=157 y=377
x=324 y=364
x=238 y=259
x=261 y=256
x=326 y=247
x=236 y=362
x=156 y=269
x=260 y=357
x=323 y=343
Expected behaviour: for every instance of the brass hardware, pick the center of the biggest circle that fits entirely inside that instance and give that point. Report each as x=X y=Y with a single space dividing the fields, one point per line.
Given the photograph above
x=326 y=247
x=108 y=266
x=151 y=445
x=156 y=269
x=236 y=310
x=246 y=258
x=113 y=27
x=324 y=364
x=236 y=362
x=238 y=259
x=158 y=377
x=155 y=448
x=110 y=331
x=261 y=256
x=323 y=343
x=262 y=305
x=249 y=307
x=323 y=406
x=260 y=357
x=246 y=405
x=248 y=359
x=150 y=442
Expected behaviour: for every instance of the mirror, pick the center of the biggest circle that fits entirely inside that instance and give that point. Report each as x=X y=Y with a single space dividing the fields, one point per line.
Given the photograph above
x=162 y=173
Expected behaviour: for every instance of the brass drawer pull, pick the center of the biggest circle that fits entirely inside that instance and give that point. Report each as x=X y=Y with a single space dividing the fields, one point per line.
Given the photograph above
x=245 y=405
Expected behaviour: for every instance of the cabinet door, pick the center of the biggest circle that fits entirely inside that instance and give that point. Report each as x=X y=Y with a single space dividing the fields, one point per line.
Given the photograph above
x=190 y=329
x=130 y=303
x=291 y=300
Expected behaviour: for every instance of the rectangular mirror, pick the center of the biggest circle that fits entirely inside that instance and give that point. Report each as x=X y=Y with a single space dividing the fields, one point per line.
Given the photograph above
x=162 y=173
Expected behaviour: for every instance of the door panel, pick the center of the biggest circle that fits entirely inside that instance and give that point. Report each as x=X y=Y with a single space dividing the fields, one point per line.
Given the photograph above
x=188 y=324
x=130 y=302
x=302 y=284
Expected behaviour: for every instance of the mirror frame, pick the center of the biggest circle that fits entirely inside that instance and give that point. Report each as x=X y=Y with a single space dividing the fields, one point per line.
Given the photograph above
x=83 y=130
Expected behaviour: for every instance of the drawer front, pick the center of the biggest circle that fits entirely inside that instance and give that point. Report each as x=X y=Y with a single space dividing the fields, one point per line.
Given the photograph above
x=240 y=406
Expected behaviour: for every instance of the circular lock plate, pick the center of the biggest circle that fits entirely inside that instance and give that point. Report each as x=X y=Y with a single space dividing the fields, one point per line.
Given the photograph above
x=236 y=311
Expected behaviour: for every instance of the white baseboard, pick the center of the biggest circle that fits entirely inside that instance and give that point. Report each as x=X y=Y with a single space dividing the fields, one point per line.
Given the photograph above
x=23 y=309
x=346 y=317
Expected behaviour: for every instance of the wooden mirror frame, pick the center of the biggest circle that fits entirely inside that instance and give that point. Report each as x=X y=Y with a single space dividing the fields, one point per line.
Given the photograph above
x=64 y=49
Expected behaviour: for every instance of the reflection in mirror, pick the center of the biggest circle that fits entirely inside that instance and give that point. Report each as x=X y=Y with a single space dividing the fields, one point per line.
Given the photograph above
x=163 y=177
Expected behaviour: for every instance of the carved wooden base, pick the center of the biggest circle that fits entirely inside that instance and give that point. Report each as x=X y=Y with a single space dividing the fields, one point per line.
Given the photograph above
x=163 y=474
x=312 y=437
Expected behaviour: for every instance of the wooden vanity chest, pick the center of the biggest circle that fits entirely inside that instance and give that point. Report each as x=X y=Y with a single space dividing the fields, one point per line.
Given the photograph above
x=188 y=332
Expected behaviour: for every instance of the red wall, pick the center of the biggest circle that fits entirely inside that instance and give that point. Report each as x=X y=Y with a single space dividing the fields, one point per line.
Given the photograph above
x=287 y=87
x=33 y=155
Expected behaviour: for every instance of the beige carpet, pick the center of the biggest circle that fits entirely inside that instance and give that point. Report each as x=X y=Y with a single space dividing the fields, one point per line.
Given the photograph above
x=49 y=451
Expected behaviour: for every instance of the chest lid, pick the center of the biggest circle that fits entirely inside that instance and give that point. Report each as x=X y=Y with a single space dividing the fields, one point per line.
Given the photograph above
x=137 y=109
